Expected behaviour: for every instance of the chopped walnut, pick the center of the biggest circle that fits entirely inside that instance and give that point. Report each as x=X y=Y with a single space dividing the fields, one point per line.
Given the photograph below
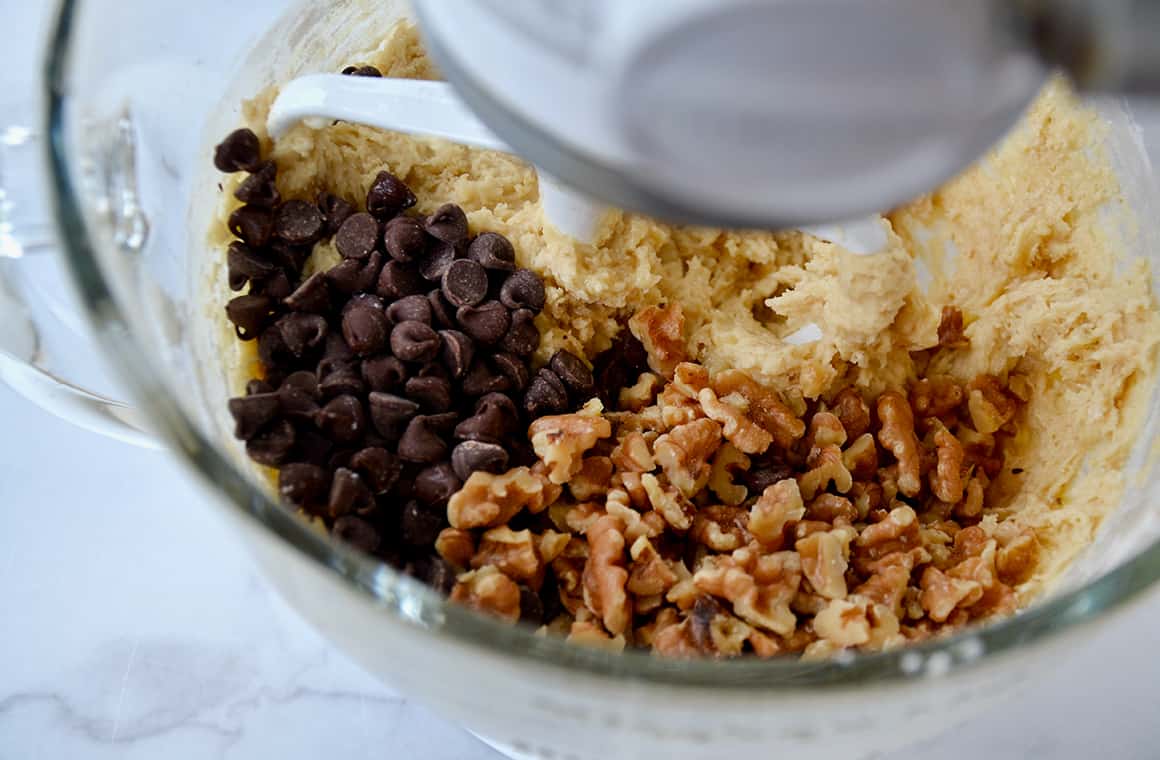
x=650 y=575
x=852 y=411
x=643 y=393
x=950 y=329
x=946 y=480
x=824 y=560
x=779 y=504
x=592 y=479
x=764 y=406
x=552 y=544
x=936 y=396
x=676 y=408
x=512 y=552
x=605 y=577
x=561 y=440
x=488 y=590
x=589 y=634
x=989 y=405
x=689 y=379
x=825 y=429
x=650 y=524
x=632 y=454
x=721 y=528
x=861 y=458
x=897 y=532
x=669 y=503
x=684 y=453
x=897 y=436
x=738 y=429
x=456 y=546
x=760 y=587
x=855 y=622
x=726 y=462
x=831 y=508
x=972 y=504
x=827 y=467
x=487 y=500
x=575 y=518
x=1018 y=553
x=661 y=330
x=941 y=593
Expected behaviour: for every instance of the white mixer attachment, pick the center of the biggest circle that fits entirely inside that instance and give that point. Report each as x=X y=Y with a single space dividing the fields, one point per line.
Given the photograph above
x=420 y=108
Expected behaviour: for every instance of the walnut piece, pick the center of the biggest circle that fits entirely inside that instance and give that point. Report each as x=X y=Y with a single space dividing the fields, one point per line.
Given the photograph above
x=561 y=440
x=643 y=393
x=764 y=406
x=738 y=429
x=605 y=576
x=684 y=453
x=487 y=500
x=592 y=479
x=512 y=552
x=726 y=462
x=827 y=467
x=946 y=480
x=488 y=590
x=760 y=587
x=661 y=329
x=669 y=503
x=779 y=504
x=456 y=546
x=824 y=560
x=721 y=528
x=852 y=411
x=897 y=436
x=632 y=454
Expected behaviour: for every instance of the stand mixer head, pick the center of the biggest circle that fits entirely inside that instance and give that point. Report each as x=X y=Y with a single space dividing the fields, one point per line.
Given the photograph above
x=771 y=113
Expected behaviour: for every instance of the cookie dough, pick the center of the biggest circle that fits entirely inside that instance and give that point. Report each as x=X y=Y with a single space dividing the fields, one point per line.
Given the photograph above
x=1026 y=244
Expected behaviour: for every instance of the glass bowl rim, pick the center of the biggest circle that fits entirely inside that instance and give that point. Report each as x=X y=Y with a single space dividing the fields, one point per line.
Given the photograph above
x=410 y=602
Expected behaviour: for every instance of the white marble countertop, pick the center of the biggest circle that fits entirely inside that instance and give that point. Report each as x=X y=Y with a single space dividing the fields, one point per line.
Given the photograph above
x=133 y=625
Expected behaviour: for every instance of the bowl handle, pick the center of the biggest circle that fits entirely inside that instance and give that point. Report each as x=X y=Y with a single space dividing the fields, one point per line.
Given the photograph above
x=46 y=352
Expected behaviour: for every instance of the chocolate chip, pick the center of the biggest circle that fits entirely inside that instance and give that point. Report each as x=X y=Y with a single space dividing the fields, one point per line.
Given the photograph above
x=334 y=210
x=523 y=337
x=436 y=484
x=414 y=342
x=336 y=350
x=486 y=323
x=398 y=280
x=245 y=264
x=275 y=287
x=292 y=256
x=437 y=259
x=348 y=493
x=312 y=447
x=256 y=386
x=404 y=239
x=420 y=525
x=312 y=295
x=390 y=414
x=302 y=332
x=546 y=394
x=448 y=224
x=240 y=150
x=297 y=404
x=342 y=379
x=442 y=315
x=433 y=369
x=411 y=308
x=384 y=373
x=492 y=251
x=357 y=532
x=259 y=188
x=618 y=366
x=514 y=369
x=764 y=473
x=357 y=236
x=388 y=196
x=365 y=329
x=420 y=443
x=353 y=276
x=442 y=423
x=342 y=419
x=432 y=393
x=495 y=418
x=298 y=222
x=457 y=353
x=252 y=224
x=380 y=468
x=301 y=484
x=531 y=608
x=272 y=445
x=250 y=314
x=704 y=610
x=464 y=283
x=362 y=71
x=252 y=413
x=435 y=572
x=272 y=351
x=471 y=455
x=481 y=379
x=523 y=289
x=574 y=373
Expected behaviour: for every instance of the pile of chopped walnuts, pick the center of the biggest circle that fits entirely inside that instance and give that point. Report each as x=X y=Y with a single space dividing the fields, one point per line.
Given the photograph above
x=707 y=516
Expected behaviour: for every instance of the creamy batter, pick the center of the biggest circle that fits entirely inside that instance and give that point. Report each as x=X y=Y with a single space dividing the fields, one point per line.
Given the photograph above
x=1023 y=243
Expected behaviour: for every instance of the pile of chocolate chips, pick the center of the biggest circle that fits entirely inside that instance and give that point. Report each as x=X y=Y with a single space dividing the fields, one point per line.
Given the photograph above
x=389 y=378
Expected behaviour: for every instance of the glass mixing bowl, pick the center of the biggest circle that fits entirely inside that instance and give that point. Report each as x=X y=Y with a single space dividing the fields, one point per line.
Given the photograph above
x=137 y=93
